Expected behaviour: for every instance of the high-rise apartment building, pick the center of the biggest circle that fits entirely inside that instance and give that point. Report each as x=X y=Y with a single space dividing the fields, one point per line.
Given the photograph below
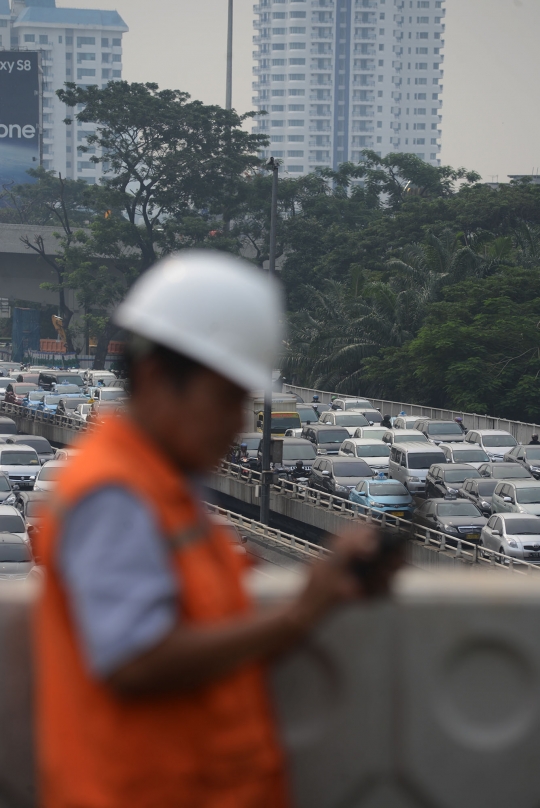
x=339 y=76
x=79 y=45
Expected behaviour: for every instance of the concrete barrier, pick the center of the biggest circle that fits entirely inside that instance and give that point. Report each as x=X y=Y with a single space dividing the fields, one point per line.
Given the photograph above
x=427 y=700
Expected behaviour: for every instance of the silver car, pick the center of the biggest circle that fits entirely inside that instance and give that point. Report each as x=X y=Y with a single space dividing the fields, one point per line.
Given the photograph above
x=513 y=534
x=517 y=496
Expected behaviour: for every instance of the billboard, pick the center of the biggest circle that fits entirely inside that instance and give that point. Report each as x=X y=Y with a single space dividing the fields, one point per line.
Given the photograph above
x=19 y=115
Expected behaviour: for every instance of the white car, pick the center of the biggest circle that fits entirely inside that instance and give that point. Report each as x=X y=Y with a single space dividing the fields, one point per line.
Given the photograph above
x=375 y=432
x=374 y=452
x=48 y=475
x=348 y=420
x=11 y=521
x=495 y=442
x=513 y=534
x=517 y=496
x=471 y=454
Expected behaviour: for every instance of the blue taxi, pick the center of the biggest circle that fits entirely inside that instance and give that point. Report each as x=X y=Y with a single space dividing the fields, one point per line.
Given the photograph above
x=388 y=496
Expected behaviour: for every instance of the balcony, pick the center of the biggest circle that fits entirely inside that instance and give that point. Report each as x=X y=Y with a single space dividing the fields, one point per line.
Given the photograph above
x=261 y=38
x=322 y=35
x=367 y=68
x=367 y=129
x=364 y=83
x=256 y=84
x=318 y=83
x=365 y=36
x=327 y=128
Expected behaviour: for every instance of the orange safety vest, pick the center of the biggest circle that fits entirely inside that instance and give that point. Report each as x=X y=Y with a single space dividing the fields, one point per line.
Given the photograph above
x=214 y=747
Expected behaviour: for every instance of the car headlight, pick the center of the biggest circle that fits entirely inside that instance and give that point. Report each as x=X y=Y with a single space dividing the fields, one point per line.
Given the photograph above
x=379 y=504
x=512 y=543
x=535 y=468
x=341 y=488
x=321 y=451
x=484 y=504
x=452 y=490
x=415 y=480
x=10 y=500
x=450 y=529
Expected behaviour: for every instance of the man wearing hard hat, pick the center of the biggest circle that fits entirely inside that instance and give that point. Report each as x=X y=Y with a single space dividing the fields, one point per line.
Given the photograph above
x=151 y=688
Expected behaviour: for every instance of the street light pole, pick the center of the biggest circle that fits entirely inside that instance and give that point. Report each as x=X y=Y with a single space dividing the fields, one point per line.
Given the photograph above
x=228 y=94
x=266 y=481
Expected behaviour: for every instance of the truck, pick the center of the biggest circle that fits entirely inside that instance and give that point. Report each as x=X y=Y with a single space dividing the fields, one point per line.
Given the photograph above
x=284 y=413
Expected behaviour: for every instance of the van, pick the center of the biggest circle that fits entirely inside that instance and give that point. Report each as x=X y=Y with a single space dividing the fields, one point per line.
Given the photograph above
x=410 y=462
x=20 y=463
x=326 y=438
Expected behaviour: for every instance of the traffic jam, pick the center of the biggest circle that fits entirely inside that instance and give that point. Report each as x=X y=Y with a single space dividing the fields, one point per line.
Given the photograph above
x=29 y=464
x=477 y=486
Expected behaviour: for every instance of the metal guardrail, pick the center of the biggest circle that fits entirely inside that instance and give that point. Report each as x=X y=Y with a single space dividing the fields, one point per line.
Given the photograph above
x=41 y=416
x=470 y=552
x=271 y=535
x=521 y=431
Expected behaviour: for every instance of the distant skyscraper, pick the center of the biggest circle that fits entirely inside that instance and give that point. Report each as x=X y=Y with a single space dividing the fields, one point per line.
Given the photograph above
x=79 y=45
x=339 y=76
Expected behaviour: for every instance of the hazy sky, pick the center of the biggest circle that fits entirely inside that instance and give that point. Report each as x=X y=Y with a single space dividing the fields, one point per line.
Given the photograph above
x=492 y=65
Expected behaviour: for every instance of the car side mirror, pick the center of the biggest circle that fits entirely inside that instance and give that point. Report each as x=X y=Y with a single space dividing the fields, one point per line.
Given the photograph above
x=507 y=499
x=496 y=532
x=326 y=474
x=361 y=493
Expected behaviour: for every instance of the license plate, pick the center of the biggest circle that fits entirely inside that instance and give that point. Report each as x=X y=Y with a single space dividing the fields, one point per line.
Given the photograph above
x=473 y=536
x=532 y=555
x=398 y=513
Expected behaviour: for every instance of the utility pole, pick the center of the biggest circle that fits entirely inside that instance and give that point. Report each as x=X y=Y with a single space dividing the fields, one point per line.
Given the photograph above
x=267 y=475
x=228 y=94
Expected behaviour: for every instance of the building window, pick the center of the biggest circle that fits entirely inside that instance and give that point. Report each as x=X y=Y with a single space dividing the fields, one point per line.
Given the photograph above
x=278 y=92
x=298 y=15
x=117 y=74
x=116 y=57
x=297 y=30
x=278 y=62
x=278 y=31
x=86 y=57
x=277 y=138
x=422 y=35
x=297 y=76
x=297 y=46
x=297 y=61
x=296 y=107
x=105 y=42
x=105 y=74
x=85 y=72
x=297 y=92
x=295 y=169
x=420 y=81
x=277 y=123
x=85 y=40
x=278 y=46
x=105 y=58
x=278 y=108
x=43 y=39
x=277 y=154
x=3 y=23
x=29 y=37
x=117 y=43
x=295 y=153
x=278 y=15
x=295 y=138
x=14 y=41
x=278 y=77
x=69 y=40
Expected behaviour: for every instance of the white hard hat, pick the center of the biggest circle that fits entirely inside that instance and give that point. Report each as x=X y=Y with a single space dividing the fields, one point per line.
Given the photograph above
x=211 y=307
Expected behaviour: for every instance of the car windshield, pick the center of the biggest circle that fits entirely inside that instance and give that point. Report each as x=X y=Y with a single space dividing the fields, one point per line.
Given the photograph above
x=447 y=428
x=23 y=389
x=15 y=553
x=333 y=436
x=4 y=383
x=350 y=419
x=533 y=454
x=66 y=388
x=4 y=484
x=358 y=404
x=451 y=476
x=34 y=508
x=513 y=472
x=73 y=403
x=307 y=414
x=486 y=487
x=528 y=496
x=492 y=441
x=352 y=470
x=51 y=400
x=530 y=527
x=69 y=379
x=376 y=434
x=388 y=490
x=457 y=509
x=424 y=461
x=374 y=450
x=111 y=395
x=296 y=452
x=281 y=422
x=12 y=458
x=35 y=396
x=49 y=474
x=411 y=438
x=471 y=456
x=11 y=523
